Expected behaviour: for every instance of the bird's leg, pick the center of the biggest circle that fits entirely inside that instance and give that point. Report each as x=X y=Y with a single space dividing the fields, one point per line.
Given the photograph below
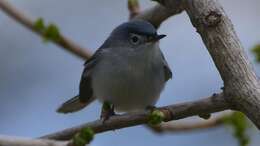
x=107 y=111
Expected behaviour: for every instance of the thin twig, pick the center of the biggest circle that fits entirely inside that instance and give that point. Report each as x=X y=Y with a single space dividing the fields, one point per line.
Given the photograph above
x=64 y=42
x=180 y=126
x=133 y=7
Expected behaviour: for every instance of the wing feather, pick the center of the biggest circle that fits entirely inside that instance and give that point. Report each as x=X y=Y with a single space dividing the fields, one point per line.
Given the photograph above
x=167 y=70
x=85 y=89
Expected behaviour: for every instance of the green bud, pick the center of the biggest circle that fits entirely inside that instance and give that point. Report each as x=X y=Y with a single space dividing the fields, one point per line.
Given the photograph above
x=78 y=141
x=238 y=122
x=87 y=134
x=256 y=51
x=52 y=33
x=156 y=117
x=39 y=25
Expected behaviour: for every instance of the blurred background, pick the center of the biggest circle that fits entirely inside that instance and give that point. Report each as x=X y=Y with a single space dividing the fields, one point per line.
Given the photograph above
x=35 y=77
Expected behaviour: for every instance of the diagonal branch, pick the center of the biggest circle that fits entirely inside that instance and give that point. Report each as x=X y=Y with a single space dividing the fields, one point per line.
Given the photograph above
x=64 y=42
x=208 y=105
x=156 y=15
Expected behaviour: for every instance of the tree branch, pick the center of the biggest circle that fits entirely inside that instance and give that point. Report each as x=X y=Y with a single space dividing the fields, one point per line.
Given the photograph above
x=241 y=86
x=64 y=42
x=15 y=141
x=208 y=105
x=157 y=14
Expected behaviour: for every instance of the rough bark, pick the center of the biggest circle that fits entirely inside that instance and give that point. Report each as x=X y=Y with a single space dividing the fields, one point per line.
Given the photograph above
x=241 y=87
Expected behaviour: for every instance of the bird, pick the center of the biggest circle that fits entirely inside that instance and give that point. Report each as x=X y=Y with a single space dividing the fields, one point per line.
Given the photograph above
x=128 y=71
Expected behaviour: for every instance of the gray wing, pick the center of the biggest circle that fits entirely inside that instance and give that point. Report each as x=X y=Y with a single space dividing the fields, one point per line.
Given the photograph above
x=167 y=70
x=85 y=96
x=85 y=89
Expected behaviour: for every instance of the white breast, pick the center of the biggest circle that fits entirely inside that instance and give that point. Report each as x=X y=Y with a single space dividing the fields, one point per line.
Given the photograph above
x=129 y=82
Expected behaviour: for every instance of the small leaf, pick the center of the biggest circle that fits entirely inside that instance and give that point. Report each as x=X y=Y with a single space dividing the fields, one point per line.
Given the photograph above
x=156 y=117
x=78 y=141
x=239 y=124
x=52 y=33
x=256 y=51
x=85 y=136
x=39 y=24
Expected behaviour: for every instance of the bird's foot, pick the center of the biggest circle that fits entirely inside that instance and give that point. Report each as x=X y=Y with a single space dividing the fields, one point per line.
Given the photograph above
x=107 y=111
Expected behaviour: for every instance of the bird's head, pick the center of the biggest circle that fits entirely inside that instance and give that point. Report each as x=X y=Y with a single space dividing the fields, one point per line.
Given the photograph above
x=135 y=35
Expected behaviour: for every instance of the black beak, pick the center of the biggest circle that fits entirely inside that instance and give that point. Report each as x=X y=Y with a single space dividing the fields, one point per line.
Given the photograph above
x=156 y=38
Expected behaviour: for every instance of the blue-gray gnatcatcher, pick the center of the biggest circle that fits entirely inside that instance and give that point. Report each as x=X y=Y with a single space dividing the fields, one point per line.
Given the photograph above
x=128 y=70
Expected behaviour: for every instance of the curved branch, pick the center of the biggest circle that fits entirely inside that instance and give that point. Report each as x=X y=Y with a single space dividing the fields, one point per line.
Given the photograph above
x=208 y=105
x=157 y=14
x=64 y=42
x=185 y=127
x=180 y=126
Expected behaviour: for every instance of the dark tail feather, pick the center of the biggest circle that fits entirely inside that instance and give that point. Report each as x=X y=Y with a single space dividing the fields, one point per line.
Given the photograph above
x=72 y=105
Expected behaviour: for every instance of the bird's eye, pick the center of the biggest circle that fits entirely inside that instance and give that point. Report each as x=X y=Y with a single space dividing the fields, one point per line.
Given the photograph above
x=134 y=39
